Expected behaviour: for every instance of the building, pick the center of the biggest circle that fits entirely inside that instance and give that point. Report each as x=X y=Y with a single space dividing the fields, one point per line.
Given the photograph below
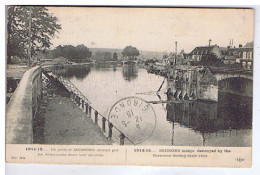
x=197 y=53
x=230 y=54
x=243 y=55
x=246 y=55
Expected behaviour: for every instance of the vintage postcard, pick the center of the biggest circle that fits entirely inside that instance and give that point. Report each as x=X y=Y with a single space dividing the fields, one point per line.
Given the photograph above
x=129 y=86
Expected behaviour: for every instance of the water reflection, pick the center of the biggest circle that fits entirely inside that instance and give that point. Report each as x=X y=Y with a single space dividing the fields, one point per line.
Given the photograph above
x=209 y=117
x=130 y=72
x=193 y=123
x=79 y=71
x=105 y=66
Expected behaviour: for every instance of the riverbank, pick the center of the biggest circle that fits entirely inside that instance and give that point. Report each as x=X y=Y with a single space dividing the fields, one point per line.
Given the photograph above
x=61 y=121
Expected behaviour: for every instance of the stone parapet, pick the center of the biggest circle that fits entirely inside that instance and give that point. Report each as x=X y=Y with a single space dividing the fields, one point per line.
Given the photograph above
x=23 y=107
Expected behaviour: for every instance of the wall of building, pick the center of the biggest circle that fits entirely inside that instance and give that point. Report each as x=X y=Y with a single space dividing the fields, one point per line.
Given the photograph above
x=23 y=107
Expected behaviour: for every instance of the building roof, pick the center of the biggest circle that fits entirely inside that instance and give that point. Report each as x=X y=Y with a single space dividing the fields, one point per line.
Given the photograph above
x=223 y=49
x=226 y=49
x=249 y=44
x=202 y=48
x=246 y=49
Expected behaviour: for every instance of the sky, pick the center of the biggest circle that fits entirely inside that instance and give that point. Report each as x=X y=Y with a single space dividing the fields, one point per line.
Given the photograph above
x=152 y=29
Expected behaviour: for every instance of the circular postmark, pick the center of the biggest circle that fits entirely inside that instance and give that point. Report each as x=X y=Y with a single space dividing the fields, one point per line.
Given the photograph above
x=134 y=117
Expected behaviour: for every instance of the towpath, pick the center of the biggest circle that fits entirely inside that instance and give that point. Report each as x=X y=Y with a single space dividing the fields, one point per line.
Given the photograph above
x=61 y=121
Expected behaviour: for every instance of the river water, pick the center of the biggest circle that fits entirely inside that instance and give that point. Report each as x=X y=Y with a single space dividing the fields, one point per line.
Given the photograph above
x=197 y=123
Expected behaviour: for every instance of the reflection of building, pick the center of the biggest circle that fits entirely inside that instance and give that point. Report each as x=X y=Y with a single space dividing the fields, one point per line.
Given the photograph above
x=210 y=117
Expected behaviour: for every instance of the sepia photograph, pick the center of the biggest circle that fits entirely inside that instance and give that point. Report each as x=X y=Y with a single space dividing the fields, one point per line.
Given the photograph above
x=129 y=76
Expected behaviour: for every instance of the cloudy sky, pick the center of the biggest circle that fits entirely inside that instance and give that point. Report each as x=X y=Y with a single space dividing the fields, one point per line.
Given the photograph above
x=152 y=29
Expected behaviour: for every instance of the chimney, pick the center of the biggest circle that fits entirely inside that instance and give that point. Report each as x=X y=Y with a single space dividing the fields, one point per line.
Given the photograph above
x=176 y=47
x=240 y=45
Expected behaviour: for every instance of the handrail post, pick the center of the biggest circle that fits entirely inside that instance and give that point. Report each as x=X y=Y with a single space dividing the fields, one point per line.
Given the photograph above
x=73 y=97
x=82 y=103
x=86 y=108
x=122 y=139
x=110 y=126
x=103 y=124
x=71 y=94
x=89 y=111
x=96 y=117
x=78 y=101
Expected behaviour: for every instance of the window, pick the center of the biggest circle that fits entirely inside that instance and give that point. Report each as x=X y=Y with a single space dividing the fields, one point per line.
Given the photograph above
x=244 y=55
x=250 y=55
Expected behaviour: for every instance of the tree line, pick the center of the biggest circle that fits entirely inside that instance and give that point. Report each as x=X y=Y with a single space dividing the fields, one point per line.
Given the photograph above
x=30 y=30
x=29 y=22
x=79 y=53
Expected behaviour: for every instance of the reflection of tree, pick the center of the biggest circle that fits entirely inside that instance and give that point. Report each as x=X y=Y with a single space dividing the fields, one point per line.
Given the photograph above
x=80 y=72
x=130 y=72
x=105 y=67
x=114 y=67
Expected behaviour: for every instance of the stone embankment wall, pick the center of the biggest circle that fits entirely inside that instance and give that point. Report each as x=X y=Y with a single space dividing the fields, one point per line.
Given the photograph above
x=23 y=107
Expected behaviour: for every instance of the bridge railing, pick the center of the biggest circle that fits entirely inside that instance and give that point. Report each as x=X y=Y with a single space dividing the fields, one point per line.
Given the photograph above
x=99 y=119
x=72 y=88
x=22 y=108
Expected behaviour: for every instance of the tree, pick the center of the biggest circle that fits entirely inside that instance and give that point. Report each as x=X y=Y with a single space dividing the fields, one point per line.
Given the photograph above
x=44 y=26
x=130 y=52
x=102 y=57
x=115 y=56
x=79 y=53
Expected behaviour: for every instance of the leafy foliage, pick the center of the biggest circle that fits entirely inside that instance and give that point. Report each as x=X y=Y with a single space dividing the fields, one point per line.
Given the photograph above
x=44 y=26
x=115 y=56
x=130 y=52
x=103 y=56
x=79 y=53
